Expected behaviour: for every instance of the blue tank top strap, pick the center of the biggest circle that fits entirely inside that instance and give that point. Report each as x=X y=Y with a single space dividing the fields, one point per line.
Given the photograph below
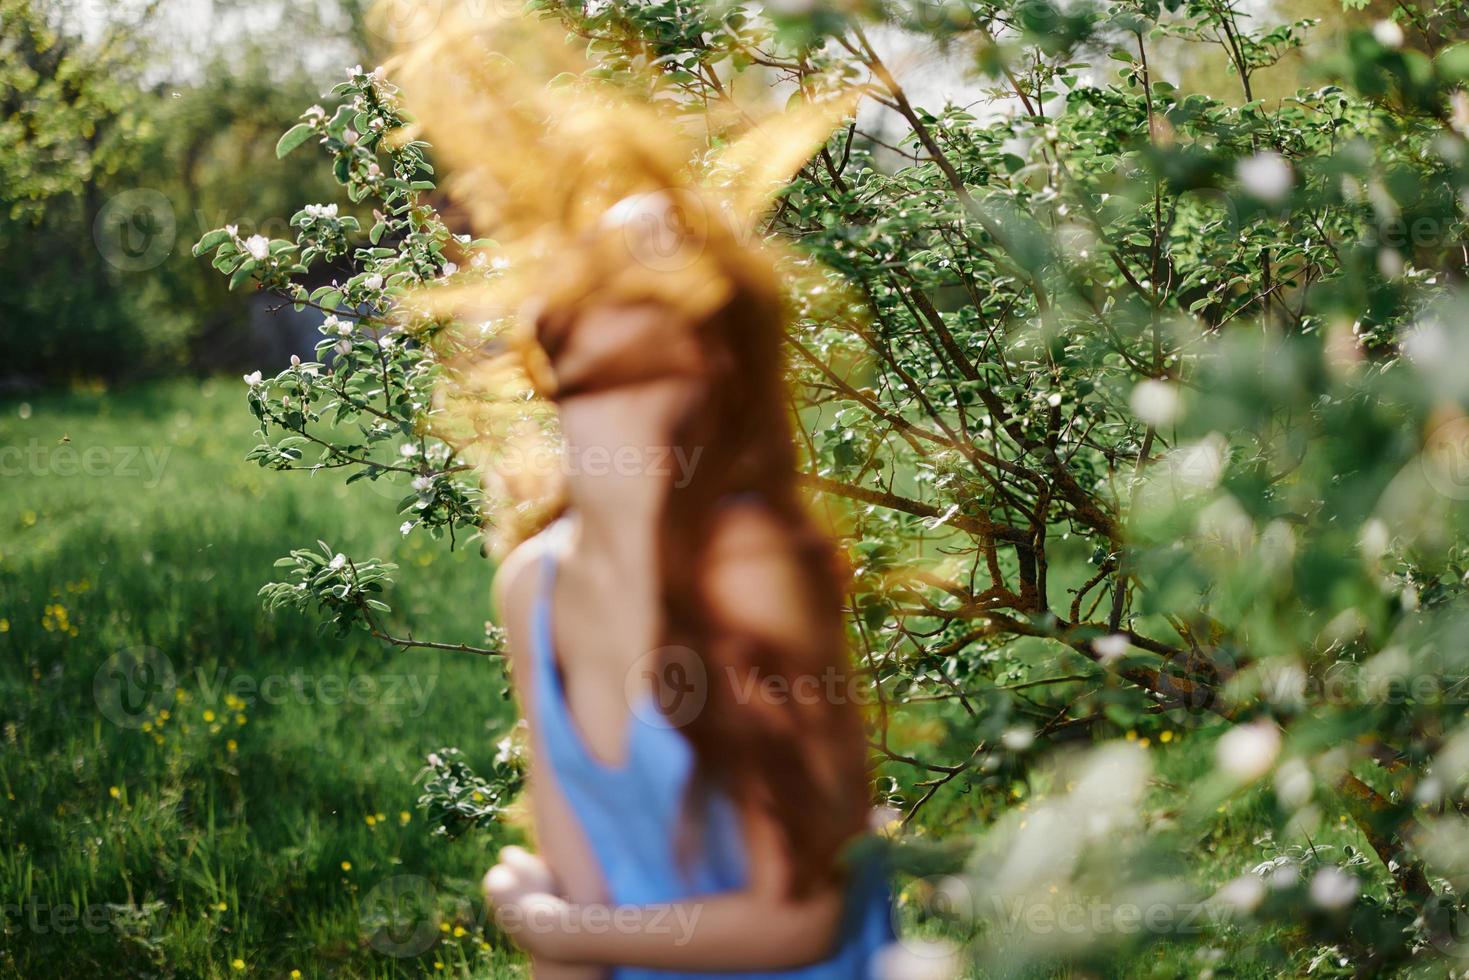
x=550 y=699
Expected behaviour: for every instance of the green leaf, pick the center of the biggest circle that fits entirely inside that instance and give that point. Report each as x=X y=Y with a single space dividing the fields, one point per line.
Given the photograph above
x=242 y=274
x=294 y=137
x=213 y=239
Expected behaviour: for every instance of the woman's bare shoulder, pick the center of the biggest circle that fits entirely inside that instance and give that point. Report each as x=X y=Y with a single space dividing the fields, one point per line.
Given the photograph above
x=517 y=579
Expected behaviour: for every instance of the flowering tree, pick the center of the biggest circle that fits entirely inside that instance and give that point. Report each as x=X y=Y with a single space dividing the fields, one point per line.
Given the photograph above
x=1147 y=425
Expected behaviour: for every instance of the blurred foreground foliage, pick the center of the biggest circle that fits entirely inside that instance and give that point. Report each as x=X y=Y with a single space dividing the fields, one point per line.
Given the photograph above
x=1144 y=412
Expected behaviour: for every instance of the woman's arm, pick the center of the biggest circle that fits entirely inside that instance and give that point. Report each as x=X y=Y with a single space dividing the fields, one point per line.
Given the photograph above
x=569 y=869
x=756 y=928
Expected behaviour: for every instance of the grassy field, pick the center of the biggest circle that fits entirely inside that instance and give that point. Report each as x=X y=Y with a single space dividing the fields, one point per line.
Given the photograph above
x=258 y=817
x=249 y=809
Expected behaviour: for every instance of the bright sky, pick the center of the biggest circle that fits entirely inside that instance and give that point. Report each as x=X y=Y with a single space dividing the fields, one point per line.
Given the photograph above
x=186 y=32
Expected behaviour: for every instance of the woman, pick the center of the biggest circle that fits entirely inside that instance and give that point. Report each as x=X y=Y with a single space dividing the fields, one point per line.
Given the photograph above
x=699 y=769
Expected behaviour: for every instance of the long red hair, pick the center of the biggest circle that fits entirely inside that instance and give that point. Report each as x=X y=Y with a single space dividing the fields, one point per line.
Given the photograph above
x=801 y=759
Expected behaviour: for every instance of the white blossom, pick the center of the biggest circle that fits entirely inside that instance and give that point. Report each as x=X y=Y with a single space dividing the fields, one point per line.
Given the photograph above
x=1332 y=888
x=315 y=113
x=1389 y=33
x=321 y=210
x=1459 y=103
x=338 y=562
x=916 y=959
x=1155 y=402
x=450 y=268
x=344 y=347
x=1266 y=175
x=405 y=527
x=350 y=137
x=234 y=230
x=880 y=817
x=1111 y=647
x=259 y=247
x=1428 y=342
x=1247 y=751
x=408 y=450
x=295 y=360
x=422 y=483
x=373 y=282
x=1018 y=739
x=1243 y=894
x=253 y=378
x=1294 y=783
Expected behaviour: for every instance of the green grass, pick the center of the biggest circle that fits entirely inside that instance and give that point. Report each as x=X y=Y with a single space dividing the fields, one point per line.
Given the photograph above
x=239 y=846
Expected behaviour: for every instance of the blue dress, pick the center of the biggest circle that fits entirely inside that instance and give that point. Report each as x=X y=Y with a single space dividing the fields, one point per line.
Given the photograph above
x=631 y=815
